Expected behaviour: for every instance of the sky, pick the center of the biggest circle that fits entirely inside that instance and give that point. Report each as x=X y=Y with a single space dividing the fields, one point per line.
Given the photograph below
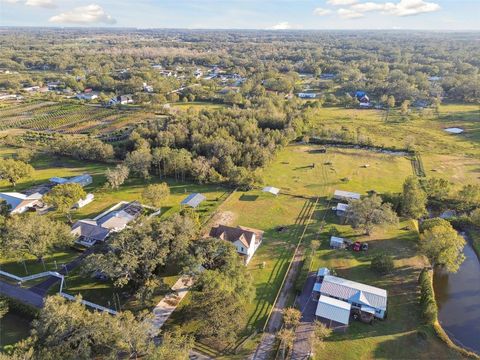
x=245 y=14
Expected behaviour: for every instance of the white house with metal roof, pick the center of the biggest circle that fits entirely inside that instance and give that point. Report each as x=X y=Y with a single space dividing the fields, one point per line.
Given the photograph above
x=337 y=242
x=363 y=297
x=345 y=195
x=340 y=209
x=193 y=200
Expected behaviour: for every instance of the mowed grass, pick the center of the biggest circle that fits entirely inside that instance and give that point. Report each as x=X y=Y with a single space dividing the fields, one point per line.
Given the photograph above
x=198 y=105
x=342 y=169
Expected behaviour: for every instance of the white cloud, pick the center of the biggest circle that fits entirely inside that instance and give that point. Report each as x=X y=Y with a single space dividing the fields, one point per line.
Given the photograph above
x=11 y=1
x=89 y=14
x=341 y=2
x=349 y=14
x=321 y=11
x=284 y=25
x=41 y=3
x=402 y=8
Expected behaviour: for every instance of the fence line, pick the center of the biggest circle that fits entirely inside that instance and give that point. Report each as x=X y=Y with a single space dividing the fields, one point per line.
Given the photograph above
x=60 y=292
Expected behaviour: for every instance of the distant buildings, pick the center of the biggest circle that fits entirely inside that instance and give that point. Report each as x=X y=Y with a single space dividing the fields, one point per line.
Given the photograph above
x=88 y=96
x=121 y=100
x=307 y=95
x=82 y=180
x=345 y=195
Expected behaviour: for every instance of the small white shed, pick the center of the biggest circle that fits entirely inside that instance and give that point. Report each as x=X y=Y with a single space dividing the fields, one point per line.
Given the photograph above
x=336 y=242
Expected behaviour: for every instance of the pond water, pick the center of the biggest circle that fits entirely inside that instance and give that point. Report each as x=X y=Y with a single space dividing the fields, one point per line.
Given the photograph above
x=13 y=328
x=458 y=298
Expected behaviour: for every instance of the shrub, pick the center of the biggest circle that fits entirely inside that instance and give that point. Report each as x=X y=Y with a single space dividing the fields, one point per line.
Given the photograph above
x=427 y=297
x=382 y=263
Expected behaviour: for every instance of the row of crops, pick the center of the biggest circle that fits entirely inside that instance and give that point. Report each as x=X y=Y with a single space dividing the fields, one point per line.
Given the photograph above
x=69 y=118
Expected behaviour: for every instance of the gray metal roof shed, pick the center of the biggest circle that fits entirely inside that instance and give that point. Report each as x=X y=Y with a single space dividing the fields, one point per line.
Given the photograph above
x=193 y=200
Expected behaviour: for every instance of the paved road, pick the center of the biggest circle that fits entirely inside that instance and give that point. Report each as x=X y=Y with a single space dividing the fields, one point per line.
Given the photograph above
x=21 y=294
x=303 y=333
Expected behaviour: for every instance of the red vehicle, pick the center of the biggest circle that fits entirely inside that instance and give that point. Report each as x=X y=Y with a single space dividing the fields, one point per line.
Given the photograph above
x=357 y=246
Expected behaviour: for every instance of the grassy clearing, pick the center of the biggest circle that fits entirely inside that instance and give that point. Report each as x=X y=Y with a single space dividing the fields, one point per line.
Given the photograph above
x=198 y=105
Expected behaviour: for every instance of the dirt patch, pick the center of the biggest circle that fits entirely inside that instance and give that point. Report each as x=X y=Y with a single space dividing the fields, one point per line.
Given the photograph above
x=221 y=218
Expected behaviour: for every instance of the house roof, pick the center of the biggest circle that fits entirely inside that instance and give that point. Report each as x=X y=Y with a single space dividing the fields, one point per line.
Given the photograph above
x=346 y=195
x=120 y=218
x=193 y=200
x=89 y=229
x=333 y=309
x=354 y=291
x=342 y=207
x=232 y=234
x=16 y=200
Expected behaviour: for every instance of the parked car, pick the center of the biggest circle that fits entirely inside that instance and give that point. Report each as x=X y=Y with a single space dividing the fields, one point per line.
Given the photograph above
x=357 y=246
x=364 y=247
x=348 y=244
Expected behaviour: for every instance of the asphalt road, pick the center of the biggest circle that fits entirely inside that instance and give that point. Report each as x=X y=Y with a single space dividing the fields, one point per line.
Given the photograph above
x=21 y=294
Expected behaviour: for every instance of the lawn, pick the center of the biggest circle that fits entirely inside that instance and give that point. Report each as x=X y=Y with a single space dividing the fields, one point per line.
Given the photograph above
x=198 y=105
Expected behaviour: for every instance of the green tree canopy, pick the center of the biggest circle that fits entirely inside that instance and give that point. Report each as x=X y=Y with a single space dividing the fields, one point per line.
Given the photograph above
x=443 y=246
x=62 y=197
x=156 y=194
x=14 y=170
x=370 y=212
x=414 y=199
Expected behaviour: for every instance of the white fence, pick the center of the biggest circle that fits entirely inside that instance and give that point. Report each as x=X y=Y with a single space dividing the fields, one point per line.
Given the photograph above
x=60 y=292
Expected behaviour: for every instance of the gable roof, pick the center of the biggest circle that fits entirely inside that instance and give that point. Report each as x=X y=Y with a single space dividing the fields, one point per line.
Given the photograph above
x=232 y=234
x=354 y=291
x=346 y=195
x=89 y=229
x=333 y=309
x=16 y=200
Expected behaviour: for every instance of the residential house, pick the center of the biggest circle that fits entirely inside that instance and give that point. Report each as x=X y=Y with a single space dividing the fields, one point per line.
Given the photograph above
x=147 y=88
x=333 y=312
x=121 y=99
x=246 y=240
x=365 y=298
x=193 y=200
x=20 y=203
x=89 y=231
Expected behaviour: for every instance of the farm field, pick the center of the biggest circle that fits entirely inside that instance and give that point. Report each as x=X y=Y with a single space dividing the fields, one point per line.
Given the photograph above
x=68 y=118
x=197 y=105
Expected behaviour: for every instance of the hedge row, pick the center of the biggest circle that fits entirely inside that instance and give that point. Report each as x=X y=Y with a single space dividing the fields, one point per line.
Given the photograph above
x=427 y=297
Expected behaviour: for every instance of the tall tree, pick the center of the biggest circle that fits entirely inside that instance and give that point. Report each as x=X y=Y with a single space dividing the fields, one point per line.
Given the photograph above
x=32 y=234
x=173 y=346
x=117 y=176
x=414 y=199
x=62 y=197
x=442 y=245
x=156 y=194
x=67 y=330
x=139 y=162
x=370 y=212
x=14 y=170
x=287 y=338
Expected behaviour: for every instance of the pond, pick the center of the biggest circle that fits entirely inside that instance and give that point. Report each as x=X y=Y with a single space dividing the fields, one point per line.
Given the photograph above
x=13 y=328
x=458 y=298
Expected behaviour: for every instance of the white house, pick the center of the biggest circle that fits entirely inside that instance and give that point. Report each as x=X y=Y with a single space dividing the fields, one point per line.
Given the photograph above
x=122 y=100
x=340 y=209
x=246 y=240
x=336 y=313
x=20 y=203
x=345 y=195
x=365 y=298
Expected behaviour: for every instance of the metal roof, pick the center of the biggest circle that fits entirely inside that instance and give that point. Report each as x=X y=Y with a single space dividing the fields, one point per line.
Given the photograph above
x=271 y=190
x=354 y=292
x=341 y=207
x=333 y=309
x=336 y=240
x=340 y=194
x=323 y=271
x=193 y=200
